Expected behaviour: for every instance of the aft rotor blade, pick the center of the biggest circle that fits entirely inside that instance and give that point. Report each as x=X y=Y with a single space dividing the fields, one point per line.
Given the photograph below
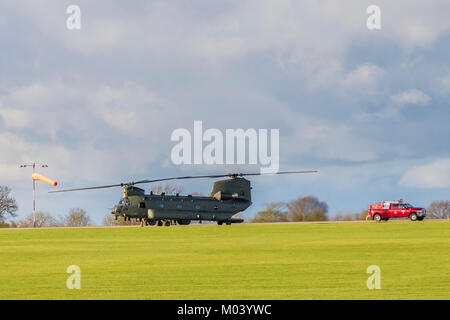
x=182 y=178
x=222 y=176
x=272 y=173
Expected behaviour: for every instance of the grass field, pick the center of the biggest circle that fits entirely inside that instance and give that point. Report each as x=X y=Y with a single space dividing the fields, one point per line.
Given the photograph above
x=274 y=261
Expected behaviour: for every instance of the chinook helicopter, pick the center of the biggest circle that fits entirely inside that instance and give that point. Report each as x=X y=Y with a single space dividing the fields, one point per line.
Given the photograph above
x=227 y=198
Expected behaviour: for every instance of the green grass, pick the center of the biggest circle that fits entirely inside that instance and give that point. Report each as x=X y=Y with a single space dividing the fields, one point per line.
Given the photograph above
x=284 y=261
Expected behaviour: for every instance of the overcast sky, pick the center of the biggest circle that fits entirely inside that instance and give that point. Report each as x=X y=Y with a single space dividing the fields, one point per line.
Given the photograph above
x=369 y=109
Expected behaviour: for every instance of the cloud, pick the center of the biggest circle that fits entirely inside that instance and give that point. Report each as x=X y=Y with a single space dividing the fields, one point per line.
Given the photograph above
x=444 y=84
x=364 y=75
x=412 y=96
x=13 y=118
x=99 y=103
x=98 y=36
x=131 y=108
x=435 y=174
x=94 y=129
x=327 y=141
x=35 y=95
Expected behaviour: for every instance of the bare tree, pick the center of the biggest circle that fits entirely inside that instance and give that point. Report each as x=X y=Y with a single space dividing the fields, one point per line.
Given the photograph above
x=8 y=205
x=275 y=212
x=439 y=209
x=43 y=219
x=167 y=188
x=351 y=216
x=307 y=209
x=77 y=218
x=110 y=220
x=4 y=225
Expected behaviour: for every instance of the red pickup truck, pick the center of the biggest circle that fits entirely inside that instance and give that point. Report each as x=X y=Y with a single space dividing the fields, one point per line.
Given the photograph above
x=396 y=209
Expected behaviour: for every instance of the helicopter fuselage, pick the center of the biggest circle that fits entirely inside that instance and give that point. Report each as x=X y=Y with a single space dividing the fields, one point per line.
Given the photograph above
x=228 y=198
x=180 y=208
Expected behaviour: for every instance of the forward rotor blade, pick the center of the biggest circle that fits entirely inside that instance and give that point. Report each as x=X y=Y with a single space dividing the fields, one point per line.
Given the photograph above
x=88 y=188
x=231 y=175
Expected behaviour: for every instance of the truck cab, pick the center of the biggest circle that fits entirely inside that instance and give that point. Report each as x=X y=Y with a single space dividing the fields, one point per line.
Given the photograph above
x=396 y=209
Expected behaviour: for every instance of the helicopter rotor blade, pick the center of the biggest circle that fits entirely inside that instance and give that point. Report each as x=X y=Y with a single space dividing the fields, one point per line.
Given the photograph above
x=231 y=175
x=89 y=188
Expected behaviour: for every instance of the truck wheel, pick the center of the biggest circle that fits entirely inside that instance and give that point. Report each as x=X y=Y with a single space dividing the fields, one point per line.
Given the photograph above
x=413 y=216
x=377 y=217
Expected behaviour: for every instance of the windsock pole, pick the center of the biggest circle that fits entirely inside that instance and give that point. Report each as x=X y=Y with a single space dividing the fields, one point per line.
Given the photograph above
x=34 y=187
x=34 y=197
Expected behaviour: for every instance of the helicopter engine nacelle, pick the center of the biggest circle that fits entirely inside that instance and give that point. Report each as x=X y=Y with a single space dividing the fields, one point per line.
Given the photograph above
x=225 y=195
x=129 y=191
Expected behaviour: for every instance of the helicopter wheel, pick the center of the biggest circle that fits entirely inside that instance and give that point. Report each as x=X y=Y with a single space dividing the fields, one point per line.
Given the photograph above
x=167 y=224
x=228 y=223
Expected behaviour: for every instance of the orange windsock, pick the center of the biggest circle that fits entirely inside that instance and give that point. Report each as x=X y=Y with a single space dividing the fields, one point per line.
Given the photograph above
x=40 y=177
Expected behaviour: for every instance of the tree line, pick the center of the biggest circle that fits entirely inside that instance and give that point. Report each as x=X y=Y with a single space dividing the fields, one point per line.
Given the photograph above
x=308 y=208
